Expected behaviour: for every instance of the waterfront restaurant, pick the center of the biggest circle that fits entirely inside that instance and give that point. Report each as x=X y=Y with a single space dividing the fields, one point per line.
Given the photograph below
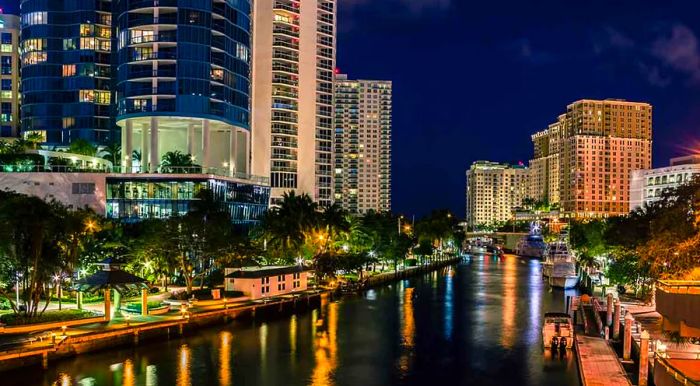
x=262 y=282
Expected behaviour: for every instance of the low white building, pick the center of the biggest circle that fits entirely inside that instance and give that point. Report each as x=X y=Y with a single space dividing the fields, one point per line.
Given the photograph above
x=647 y=186
x=262 y=282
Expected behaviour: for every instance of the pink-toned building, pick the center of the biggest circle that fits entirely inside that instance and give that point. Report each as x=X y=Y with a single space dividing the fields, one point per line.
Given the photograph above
x=263 y=282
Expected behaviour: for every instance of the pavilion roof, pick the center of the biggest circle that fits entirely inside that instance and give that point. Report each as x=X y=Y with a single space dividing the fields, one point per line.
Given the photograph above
x=117 y=279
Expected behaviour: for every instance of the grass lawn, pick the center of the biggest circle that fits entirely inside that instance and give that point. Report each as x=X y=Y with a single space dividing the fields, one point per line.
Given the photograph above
x=47 y=317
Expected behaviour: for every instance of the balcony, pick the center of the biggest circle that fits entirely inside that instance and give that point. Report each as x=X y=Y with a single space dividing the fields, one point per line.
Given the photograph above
x=679 y=304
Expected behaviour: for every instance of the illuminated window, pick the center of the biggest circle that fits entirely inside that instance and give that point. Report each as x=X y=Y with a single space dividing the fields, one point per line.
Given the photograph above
x=87 y=43
x=68 y=69
x=33 y=18
x=104 y=32
x=5 y=94
x=105 y=45
x=33 y=58
x=217 y=74
x=68 y=122
x=87 y=29
x=87 y=96
x=30 y=45
x=6 y=48
x=69 y=44
x=102 y=97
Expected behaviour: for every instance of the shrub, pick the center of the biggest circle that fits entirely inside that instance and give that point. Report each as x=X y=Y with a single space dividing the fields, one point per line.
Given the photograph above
x=47 y=317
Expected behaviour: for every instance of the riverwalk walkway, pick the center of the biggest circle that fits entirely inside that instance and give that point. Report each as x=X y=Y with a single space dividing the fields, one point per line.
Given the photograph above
x=598 y=363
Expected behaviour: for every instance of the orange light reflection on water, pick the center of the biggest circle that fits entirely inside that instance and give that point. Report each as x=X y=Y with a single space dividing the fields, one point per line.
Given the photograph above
x=225 y=358
x=408 y=330
x=184 y=376
x=510 y=299
x=326 y=346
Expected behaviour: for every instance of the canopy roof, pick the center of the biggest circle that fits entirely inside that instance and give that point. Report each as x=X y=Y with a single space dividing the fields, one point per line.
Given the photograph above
x=117 y=279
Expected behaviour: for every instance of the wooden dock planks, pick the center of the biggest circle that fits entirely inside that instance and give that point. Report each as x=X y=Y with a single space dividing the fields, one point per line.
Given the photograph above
x=598 y=363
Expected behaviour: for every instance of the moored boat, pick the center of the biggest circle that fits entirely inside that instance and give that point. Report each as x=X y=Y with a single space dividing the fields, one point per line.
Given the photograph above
x=560 y=267
x=532 y=244
x=557 y=331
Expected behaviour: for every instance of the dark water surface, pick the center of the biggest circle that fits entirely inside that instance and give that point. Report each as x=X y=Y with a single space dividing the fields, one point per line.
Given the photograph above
x=477 y=323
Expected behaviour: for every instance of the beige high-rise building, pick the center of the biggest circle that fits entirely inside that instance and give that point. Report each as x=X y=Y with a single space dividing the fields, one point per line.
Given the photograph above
x=9 y=75
x=584 y=160
x=292 y=96
x=494 y=191
x=363 y=144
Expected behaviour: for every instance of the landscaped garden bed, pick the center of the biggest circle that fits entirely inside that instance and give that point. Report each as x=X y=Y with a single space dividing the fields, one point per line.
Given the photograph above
x=51 y=316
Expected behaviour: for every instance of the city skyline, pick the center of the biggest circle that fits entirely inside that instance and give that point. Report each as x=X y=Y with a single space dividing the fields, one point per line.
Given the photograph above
x=630 y=57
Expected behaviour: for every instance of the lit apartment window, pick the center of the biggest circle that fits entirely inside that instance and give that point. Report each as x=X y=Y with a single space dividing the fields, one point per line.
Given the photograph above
x=87 y=96
x=33 y=58
x=33 y=18
x=102 y=97
x=68 y=69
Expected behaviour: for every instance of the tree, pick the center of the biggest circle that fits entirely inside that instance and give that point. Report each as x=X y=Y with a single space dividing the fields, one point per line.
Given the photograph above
x=178 y=162
x=286 y=229
x=29 y=249
x=113 y=153
x=82 y=147
x=34 y=139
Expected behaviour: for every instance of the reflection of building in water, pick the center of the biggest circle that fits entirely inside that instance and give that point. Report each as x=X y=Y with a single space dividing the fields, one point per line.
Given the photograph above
x=510 y=298
x=184 y=376
x=128 y=374
x=449 y=302
x=225 y=358
x=408 y=330
x=326 y=346
x=293 y=336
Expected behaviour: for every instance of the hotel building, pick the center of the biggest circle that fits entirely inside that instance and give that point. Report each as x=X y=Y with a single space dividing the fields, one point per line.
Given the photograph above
x=363 y=144
x=648 y=185
x=584 y=160
x=9 y=75
x=292 y=98
x=494 y=191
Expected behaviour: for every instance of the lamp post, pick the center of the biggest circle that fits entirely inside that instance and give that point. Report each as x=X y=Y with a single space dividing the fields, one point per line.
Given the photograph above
x=18 y=276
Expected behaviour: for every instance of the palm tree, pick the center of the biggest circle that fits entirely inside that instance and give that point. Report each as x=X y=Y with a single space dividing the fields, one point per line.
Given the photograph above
x=82 y=147
x=113 y=153
x=173 y=160
x=34 y=139
x=287 y=227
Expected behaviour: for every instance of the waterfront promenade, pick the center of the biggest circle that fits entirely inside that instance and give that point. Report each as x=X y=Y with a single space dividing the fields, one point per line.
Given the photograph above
x=24 y=349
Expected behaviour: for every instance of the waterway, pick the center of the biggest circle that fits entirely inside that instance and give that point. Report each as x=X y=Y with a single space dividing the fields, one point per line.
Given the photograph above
x=477 y=323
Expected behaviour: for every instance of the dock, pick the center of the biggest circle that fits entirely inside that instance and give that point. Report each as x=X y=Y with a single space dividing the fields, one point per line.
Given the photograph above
x=598 y=363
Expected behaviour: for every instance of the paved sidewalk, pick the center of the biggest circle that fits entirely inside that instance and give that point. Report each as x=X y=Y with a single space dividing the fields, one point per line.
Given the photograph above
x=598 y=363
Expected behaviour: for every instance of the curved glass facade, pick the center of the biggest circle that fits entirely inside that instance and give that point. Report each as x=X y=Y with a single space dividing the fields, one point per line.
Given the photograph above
x=188 y=58
x=66 y=70
x=183 y=81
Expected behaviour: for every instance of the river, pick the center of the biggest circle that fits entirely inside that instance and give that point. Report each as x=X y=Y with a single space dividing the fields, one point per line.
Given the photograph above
x=477 y=323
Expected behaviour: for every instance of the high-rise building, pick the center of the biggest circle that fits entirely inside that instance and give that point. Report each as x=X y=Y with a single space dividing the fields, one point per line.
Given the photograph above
x=183 y=80
x=494 y=191
x=9 y=75
x=584 y=160
x=292 y=98
x=362 y=144
x=67 y=91
x=648 y=185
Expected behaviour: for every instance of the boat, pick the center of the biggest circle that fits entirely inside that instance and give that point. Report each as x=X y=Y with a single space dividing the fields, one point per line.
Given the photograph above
x=559 y=266
x=557 y=331
x=532 y=244
x=479 y=246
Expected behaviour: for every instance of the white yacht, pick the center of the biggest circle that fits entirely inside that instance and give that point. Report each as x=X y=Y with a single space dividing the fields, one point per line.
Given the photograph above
x=560 y=266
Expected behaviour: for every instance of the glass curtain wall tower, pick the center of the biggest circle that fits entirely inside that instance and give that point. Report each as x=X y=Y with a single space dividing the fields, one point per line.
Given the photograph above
x=9 y=75
x=67 y=70
x=183 y=80
x=293 y=64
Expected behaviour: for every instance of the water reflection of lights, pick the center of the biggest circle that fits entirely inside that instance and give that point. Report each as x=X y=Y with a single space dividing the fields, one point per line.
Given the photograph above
x=225 y=358
x=371 y=295
x=510 y=298
x=151 y=375
x=184 y=376
x=535 y=284
x=128 y=375
x=408 y=330
x=63 y=380
x=449 y=290
x=326 y=350
x=263 y=346
x=90 y=381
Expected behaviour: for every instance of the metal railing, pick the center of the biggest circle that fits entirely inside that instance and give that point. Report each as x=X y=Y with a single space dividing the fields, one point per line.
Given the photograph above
x=675 y=373
x=179 y=170
x=679 y=286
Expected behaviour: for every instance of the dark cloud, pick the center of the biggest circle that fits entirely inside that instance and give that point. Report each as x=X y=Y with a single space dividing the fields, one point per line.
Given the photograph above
x=677 y=49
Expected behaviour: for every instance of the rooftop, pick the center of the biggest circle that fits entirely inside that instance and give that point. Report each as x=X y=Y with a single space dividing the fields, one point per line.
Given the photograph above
x=260 y=272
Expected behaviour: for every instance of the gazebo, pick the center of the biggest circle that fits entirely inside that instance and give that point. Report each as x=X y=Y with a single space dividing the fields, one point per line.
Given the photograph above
x=111 y=277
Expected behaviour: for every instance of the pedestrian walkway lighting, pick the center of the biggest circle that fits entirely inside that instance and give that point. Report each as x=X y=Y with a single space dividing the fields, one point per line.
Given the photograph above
x=63 y=328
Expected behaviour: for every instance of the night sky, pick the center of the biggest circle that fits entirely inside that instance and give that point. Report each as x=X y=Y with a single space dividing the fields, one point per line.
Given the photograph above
x=473 y=79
